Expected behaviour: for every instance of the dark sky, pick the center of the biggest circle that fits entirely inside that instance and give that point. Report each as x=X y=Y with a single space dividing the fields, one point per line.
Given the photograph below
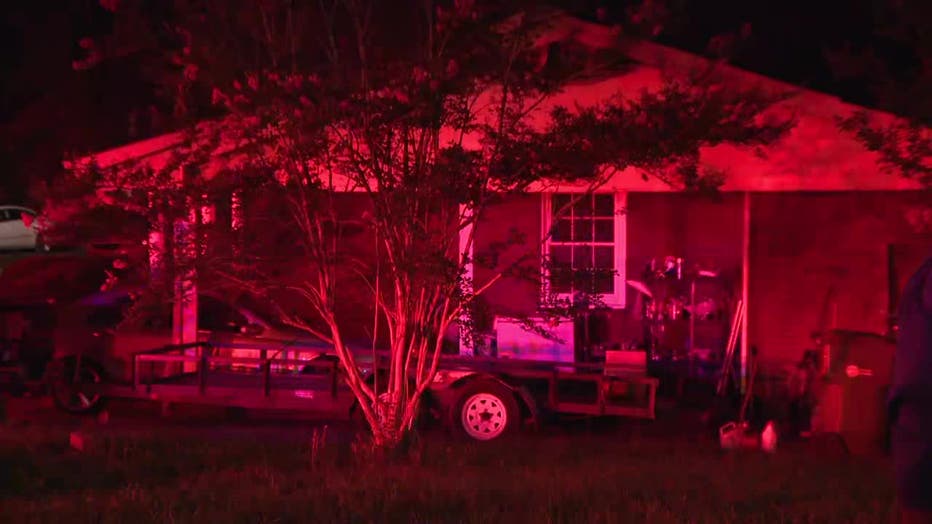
x=788 y=39
x=45 y=106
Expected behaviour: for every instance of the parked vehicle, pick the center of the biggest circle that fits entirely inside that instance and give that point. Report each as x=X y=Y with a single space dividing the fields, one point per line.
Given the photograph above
x=32 y=291
x=19 y=229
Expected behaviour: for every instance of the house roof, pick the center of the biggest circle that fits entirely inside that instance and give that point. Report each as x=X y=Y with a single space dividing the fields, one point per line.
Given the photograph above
x=814 y=156
x=152 y=150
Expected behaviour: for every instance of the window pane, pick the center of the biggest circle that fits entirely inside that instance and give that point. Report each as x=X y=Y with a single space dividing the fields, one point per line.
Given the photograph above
x=562 y=230
x=561 y=256
x=582 y=257
x=559 y=201
x=561 y=269
x=561 y=281
x=604 y=205
x=582 y=230
x=583 y=206
x=605 y=257
x=604 y=230
x=604 y=282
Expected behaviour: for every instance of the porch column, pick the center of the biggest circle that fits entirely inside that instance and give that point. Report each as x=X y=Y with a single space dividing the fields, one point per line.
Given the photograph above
x=184 y=314
x=184 y=310
x=468 y=248
x=156 y=248
x=745 y=281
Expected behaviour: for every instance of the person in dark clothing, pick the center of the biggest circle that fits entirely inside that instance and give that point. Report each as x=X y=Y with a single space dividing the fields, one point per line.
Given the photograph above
x=910 y=399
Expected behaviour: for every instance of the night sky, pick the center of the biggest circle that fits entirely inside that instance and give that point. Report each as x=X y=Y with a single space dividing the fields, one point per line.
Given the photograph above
x=46 y=106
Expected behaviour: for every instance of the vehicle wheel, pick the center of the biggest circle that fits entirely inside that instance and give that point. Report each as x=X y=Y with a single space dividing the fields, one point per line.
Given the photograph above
x=65 y=387
x=485 y=410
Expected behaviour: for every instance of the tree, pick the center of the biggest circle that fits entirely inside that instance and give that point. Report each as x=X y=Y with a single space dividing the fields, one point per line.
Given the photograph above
x=429 y=113
x=896 y=66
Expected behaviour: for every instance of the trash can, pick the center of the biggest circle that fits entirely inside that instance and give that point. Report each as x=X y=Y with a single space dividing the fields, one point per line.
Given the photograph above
x=852 y=401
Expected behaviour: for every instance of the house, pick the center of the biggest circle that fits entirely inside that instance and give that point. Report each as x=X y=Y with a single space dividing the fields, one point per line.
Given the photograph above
x=814 y=235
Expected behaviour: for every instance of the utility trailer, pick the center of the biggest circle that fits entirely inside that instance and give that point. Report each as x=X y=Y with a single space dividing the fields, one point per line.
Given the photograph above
x=25 y=346
x=481 y=398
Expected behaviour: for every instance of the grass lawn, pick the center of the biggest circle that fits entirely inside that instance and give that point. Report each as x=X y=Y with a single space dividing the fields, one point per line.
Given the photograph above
x=585 y=477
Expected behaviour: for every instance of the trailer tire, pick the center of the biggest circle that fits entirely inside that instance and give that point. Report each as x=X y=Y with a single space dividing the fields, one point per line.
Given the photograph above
x=485 y=410
x=63 y=387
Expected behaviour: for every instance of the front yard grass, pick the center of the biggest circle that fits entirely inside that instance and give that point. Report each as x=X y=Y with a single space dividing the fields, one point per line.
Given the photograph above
x=571 y=478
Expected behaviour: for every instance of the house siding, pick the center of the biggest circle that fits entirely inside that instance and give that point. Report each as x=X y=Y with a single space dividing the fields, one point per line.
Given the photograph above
x=803 y=245
x=815 y=252
x=519 y=215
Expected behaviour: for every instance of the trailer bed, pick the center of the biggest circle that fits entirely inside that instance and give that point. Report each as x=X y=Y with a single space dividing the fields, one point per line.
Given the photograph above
x=318 y=386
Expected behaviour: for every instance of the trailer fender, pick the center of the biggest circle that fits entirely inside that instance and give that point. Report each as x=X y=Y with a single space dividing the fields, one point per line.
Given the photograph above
x=470 y=377
x=526 y=403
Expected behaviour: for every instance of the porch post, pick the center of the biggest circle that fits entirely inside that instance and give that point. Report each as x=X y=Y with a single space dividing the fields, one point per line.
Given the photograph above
x=156 y=248
x=466 y=347
x=745 y=281
x=184 y=317
x=184 y=310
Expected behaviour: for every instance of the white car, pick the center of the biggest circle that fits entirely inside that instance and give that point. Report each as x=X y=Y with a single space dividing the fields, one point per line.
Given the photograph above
x=19 y=228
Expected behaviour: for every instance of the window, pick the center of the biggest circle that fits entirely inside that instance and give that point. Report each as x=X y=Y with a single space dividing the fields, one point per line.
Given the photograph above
x=15 y=214
x=586 y=248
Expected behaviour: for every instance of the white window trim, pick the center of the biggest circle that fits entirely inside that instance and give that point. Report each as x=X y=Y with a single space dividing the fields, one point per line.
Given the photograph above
x=614 y=300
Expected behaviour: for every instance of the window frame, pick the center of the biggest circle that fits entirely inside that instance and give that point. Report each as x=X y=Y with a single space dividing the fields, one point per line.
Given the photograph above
x=617 y=299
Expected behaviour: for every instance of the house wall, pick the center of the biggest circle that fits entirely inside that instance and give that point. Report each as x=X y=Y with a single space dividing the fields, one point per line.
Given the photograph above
x=508 y=231
x=270 y=228
x=804 y=247
x=820 y=260
x=704 y=230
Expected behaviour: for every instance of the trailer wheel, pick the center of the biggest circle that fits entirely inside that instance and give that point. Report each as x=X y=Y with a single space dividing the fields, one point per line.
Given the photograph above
x=65 y=386
x=485 y=410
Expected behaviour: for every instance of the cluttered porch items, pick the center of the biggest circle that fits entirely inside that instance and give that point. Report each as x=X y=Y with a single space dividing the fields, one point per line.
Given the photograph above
x=685 y=314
